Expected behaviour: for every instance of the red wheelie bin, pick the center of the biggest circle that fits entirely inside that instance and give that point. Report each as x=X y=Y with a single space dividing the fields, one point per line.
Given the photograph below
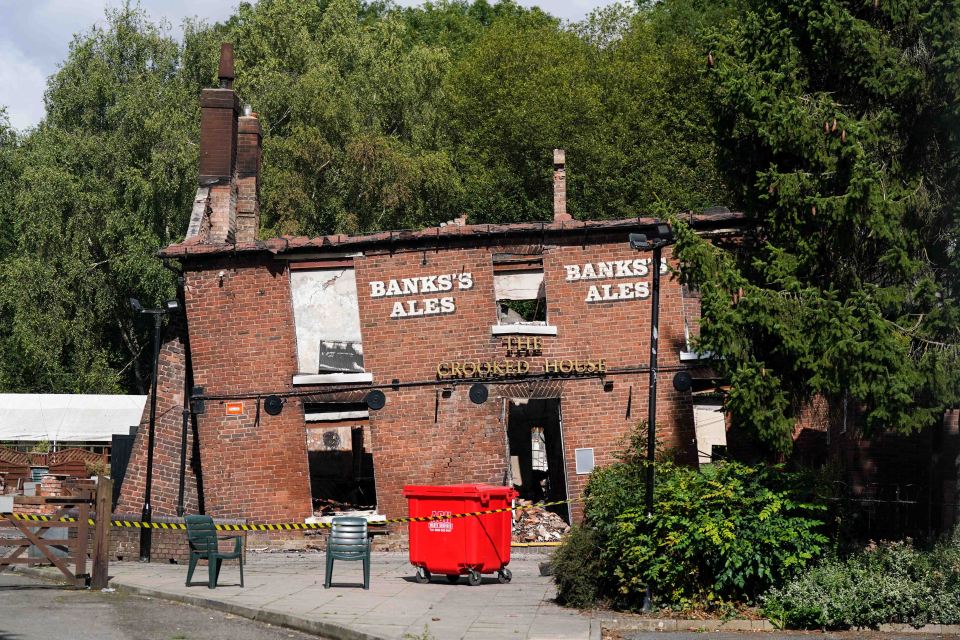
x=471 y=545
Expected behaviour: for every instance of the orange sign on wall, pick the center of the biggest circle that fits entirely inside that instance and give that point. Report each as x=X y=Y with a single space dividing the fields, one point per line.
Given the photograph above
x=234 y=408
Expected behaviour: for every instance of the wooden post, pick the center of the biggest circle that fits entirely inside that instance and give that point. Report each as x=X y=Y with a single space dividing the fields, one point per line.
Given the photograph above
x=83 y=539
x=101 y=542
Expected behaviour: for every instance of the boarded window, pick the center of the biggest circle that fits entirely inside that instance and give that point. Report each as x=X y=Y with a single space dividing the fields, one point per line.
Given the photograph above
x=328 y=321
x=711 y=429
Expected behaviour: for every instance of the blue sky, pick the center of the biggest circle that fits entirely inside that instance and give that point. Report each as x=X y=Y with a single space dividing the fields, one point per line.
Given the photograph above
x=35 y=35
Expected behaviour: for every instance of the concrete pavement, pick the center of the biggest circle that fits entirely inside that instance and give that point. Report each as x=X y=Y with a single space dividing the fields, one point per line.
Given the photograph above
x=35 y=610
x=287 y=589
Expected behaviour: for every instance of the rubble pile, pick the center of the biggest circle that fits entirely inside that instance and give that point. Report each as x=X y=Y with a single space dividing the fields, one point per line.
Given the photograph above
x=536 y=524
x=327 y=507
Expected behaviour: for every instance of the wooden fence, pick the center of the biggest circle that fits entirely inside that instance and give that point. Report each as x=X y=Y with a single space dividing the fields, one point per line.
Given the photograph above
x=70 y=550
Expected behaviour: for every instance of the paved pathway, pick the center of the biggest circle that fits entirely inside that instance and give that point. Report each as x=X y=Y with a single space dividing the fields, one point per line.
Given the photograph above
x=288 y=589
x=37 y=610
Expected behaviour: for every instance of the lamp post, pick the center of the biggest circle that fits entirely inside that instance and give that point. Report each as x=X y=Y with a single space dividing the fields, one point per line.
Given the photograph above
x=659 y=237
x=146 y=516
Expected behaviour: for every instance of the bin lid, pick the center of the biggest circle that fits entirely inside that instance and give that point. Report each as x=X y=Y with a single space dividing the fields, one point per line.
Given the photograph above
x=458 y=490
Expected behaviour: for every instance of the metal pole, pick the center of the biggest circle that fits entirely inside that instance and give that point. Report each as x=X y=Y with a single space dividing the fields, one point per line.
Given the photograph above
x=187 y=392
x=146 y=534
x=183 y=459
x=652 y=405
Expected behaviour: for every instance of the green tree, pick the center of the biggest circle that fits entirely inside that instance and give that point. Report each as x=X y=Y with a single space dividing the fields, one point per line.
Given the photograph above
x=838 y=122
x=629 y=106
x=105 y=181
x=348 y=99
x=9 y=175
x=375 y=117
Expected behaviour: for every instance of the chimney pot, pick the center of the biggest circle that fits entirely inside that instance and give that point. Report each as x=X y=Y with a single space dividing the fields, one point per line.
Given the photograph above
x=226 y=74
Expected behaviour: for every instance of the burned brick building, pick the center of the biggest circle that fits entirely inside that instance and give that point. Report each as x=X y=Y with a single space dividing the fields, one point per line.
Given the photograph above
x=269 y=371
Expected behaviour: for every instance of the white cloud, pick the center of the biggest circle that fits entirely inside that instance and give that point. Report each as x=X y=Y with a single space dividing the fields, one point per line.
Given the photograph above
x=22 y=83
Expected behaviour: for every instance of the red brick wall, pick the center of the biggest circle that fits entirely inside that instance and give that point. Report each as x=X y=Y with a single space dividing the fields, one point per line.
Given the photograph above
x=415 y=442
x=167 y=439
x=243 y=341
x=467 y=442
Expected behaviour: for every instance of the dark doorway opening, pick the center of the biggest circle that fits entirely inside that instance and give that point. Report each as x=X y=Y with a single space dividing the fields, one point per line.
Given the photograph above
x=341 y=467
x=535 y=438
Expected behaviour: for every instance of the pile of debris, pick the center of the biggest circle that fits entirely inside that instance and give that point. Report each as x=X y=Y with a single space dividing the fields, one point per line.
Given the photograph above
x=326 y=507
x=536 y=524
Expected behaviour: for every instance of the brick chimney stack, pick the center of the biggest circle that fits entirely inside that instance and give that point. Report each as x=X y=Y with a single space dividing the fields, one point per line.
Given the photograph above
x=560 y=186
x=219 y=140
x=248 y=176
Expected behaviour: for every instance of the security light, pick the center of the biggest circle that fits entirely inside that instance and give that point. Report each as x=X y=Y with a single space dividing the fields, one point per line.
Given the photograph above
x=172 y=305
x=660 y=235
x=639 y=242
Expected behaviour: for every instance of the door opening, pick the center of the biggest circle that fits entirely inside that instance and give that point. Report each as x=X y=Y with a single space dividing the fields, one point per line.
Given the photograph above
x=341 y=462
x=535 y=438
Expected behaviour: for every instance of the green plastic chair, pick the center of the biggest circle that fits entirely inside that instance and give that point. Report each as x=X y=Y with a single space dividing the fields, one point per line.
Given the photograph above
x=204 y=544
x=348 y=541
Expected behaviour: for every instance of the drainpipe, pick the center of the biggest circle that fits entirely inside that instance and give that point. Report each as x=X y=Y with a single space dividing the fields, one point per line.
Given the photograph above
x=186 y=412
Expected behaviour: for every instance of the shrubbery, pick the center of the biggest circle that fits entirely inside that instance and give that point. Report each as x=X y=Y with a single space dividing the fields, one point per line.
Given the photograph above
x=723 y=534
x=892 y=582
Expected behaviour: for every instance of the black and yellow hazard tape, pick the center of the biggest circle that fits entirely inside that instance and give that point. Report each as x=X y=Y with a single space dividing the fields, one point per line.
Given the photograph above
x=280 y=526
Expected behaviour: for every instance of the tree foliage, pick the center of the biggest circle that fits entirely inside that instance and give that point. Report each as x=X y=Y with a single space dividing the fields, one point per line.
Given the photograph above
x=838 y=124
x=102 y=184
x=374 y=117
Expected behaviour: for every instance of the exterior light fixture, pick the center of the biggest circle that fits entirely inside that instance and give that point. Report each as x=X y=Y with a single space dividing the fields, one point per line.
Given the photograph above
x=479 y=393
x=682 y=381
x=376 y=399
x=273 y=405
x=170 y=306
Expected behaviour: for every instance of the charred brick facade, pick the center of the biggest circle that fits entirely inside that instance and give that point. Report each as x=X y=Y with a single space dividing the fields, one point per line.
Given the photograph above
x=243 y=342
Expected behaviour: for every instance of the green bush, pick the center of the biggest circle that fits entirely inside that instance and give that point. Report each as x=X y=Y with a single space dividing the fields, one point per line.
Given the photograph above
x=576 y=567
x=721 y=535
x=889 y=583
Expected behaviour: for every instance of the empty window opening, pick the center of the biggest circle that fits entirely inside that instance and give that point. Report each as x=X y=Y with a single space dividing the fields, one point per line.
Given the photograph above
x=519 y=290
x=535 y=439
x=327 y=320
x=341 y=459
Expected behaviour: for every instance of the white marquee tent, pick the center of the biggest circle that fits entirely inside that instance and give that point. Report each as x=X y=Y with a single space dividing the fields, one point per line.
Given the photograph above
x=67 y=417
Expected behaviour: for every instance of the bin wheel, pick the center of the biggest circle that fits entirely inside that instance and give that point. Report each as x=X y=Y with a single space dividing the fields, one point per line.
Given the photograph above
x=423 y=576
x=473 y=578
x=504 y=575
x=453 y=578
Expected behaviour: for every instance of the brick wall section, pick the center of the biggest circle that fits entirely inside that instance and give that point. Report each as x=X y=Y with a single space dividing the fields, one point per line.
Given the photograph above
x=619 y=332
x=467 y=442
x=223 y=212
x=167 y=439
x=243 y=341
